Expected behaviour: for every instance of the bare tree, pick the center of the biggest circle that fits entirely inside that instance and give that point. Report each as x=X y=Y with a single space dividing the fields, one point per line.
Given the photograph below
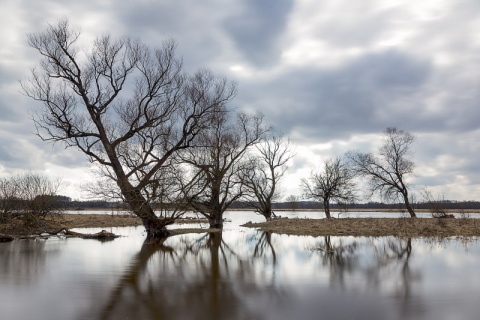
x=387 y=171
x=334 y=183
x=9 y=198
x=293 y=202
x=29 y=197
x=218 y=161
x=127 y=107
x=266 y=169
x=436 y=205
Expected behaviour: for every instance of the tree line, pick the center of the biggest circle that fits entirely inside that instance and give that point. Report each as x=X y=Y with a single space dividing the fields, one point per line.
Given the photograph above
x=159 y=137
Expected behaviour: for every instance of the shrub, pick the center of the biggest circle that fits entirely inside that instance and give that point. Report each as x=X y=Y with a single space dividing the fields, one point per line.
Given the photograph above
x=28 y=197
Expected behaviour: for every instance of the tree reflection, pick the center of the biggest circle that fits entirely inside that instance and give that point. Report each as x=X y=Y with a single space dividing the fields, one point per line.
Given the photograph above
x=341 y=258
x=264 y=247
x=22 y=261
x=383 y=263
x=265 y=252
x=191 y=279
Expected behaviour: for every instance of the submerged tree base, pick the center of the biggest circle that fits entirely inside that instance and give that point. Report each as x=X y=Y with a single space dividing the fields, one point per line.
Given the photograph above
x=372 y=227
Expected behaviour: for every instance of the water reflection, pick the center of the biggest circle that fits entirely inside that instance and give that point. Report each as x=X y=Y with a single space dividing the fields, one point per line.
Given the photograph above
x=264 y=247
x=202 y=277
x=26 y=259
x=382 y=264
x=239 y=274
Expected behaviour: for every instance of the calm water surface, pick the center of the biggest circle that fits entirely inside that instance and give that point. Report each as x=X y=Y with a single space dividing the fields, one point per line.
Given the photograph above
x=239 y=274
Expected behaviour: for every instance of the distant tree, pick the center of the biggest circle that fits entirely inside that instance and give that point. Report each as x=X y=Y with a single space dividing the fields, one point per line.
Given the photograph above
x=387 y=171
x=9 y=198
x=127 y=107
x=63 y=199
x=28 y=197
x=335 y=182
x=218 y=161
x=293 y=202
x=264 y=171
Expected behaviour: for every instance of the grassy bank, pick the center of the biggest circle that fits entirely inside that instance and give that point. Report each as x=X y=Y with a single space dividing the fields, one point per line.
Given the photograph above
x=404 y=227
x=373 y=227
x=71 y=221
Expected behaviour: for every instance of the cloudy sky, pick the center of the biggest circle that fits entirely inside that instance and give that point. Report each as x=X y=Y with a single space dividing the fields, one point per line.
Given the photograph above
x=330 y=74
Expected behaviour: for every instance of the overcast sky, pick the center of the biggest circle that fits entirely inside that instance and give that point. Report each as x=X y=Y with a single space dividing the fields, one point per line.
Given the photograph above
x=330 y=74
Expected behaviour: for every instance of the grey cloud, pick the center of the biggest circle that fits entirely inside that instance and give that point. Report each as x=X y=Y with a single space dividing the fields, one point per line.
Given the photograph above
x=257 y=28
x=193 y=25
x=354 y=23
x=25 y=152
x=463 y=149
x=156 y=19
x=16 y=153
x=297 y=163
x=360 y=97
x=9 y=111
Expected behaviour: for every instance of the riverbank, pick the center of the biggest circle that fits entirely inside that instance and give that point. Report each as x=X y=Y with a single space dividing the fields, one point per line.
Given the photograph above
x=372 y=227
x=402 y=227
x=71 y=221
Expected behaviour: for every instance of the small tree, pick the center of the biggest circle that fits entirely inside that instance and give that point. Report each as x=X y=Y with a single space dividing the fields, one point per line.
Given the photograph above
x=218 y=161
x=388 y=170
x=127 y=107
x=293 y=202
x=333 y=183
x=265 y=170
x=436 y=205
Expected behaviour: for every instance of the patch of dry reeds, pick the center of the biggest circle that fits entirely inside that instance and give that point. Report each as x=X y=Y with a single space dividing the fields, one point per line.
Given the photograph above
x=373 y=227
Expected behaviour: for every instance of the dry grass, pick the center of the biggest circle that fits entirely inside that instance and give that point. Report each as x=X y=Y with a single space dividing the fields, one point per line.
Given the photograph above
x=407 y=227
x=373 y=227
x=70 y=221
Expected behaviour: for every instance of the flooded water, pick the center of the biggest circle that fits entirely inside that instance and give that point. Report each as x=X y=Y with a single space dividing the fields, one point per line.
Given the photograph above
x=250 y=216
x=239 y=274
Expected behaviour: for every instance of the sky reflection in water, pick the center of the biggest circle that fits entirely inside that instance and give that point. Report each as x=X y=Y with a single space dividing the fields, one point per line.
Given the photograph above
x=239 y=274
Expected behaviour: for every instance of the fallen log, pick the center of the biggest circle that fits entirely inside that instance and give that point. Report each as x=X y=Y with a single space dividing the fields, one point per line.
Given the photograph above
x=99 y=235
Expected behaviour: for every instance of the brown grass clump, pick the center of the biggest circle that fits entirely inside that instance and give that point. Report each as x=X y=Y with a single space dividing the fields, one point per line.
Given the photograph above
x=372 y=227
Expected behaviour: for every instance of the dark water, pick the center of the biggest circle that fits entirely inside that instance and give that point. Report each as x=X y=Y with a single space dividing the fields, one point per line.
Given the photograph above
x=239 y=274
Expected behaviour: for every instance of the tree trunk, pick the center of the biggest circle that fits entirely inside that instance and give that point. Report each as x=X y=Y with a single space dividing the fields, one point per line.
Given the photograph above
x=326 y=207
x=216 y=219
x=267 y=213
x=408 y=205
x=155 y=227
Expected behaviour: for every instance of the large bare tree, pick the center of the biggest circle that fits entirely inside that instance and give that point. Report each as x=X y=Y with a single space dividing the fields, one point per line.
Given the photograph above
x=218 y=161
x=387 y=171
x=127 y=107
x=334 y=183
x=267 y=167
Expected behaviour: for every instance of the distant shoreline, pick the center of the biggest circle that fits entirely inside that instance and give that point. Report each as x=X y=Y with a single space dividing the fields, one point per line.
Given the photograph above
x=298 y=210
